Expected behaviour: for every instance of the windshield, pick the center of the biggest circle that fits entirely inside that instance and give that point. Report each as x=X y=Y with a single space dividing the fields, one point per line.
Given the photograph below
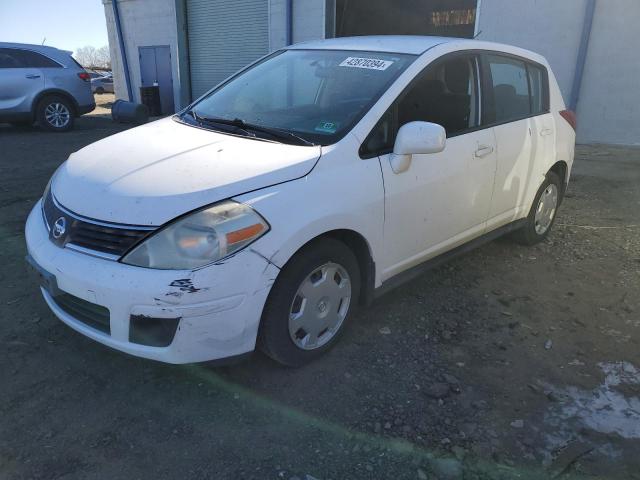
x=316 y=95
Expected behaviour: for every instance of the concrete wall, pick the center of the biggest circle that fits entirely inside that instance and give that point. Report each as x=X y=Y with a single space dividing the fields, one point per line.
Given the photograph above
x=608 y=110
x=308 y=22
x=609 y=107
x=144 y=23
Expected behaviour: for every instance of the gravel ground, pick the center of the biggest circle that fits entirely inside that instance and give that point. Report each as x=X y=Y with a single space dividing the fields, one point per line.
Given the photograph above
x=103 y=105
x=509 y=362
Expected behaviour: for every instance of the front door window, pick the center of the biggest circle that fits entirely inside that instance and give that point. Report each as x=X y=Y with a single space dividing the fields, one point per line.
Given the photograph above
x=446 y=93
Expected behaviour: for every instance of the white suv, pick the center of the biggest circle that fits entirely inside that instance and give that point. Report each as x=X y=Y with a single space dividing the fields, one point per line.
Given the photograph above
x=298 y=189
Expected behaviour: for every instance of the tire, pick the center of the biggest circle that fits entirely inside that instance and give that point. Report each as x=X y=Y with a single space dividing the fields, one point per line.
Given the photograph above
x=310 y=293
x=55 y=114
x=537 y=227
x=99 y=90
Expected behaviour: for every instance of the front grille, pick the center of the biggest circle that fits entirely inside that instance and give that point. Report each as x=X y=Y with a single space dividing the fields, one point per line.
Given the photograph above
x=92 y=315
x=115 y=241
x=89 y=234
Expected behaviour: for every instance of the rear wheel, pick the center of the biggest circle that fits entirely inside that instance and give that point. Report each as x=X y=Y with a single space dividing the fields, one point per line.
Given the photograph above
x=543 y=212
x=55 y=113
x=99 y=90
x=310 y=303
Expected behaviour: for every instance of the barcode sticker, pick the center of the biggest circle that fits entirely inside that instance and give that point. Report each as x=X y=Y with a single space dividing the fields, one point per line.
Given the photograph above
x=368 y=63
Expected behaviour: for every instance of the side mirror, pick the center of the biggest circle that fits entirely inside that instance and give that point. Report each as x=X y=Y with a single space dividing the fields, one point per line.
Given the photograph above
x=415 y=138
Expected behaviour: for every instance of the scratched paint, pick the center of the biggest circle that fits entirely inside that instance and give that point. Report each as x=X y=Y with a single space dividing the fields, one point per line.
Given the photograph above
x=185 y=285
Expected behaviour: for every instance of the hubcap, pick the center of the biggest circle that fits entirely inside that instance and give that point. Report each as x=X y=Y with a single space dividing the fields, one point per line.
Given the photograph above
x=546 y=210
x=57 y=114
x=320 y=306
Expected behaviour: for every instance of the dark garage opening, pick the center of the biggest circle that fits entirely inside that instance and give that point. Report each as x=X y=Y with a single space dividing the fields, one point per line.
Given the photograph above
x=449 y=18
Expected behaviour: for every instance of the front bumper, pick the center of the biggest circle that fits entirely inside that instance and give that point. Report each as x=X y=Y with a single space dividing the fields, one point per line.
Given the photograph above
x=218 y=307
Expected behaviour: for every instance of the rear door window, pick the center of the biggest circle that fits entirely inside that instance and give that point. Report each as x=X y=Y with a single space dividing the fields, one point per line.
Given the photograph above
x=8 y=58
x=30 y=59
x=510 y=88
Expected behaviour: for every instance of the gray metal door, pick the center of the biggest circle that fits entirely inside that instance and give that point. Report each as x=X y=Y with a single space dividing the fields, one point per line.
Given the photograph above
x=155 y=67
x=224 y=36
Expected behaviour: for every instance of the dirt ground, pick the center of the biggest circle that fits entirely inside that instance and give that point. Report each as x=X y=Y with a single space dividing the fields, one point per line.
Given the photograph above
x=507 y=363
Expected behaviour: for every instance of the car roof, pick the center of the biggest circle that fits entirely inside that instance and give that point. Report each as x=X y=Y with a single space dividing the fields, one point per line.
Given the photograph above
x=38 y=48
x=412 y=44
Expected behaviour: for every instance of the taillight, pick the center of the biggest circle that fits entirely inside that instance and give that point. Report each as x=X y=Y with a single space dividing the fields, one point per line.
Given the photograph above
x=84 y=76
x=570 y=117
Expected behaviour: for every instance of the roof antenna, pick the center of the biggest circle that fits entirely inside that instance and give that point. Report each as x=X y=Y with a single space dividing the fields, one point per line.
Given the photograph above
x=43 y=40
x=477 y=34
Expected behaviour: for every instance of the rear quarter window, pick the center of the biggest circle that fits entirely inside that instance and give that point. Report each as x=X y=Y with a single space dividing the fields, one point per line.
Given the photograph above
x=539 y=85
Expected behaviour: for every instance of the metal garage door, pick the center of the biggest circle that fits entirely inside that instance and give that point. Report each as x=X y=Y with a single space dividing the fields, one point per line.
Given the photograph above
x=224 y=36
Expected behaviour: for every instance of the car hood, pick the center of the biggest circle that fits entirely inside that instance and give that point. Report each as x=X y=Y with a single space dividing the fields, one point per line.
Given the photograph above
x=151 y=174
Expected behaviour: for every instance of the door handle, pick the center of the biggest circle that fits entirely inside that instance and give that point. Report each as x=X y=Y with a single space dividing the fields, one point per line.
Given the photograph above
x=546 y=131
x=32 y=75
x=483 y=151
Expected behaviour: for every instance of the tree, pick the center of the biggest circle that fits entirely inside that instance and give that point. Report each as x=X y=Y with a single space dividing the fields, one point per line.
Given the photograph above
x=86 y=56
x=103 y=57
x=91 y=57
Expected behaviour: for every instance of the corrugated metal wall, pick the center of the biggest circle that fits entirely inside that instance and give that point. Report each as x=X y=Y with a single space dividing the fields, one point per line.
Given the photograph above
x=224 y=36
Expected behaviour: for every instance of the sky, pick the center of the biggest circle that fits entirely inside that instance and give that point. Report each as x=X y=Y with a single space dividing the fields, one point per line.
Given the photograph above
x=66 y=24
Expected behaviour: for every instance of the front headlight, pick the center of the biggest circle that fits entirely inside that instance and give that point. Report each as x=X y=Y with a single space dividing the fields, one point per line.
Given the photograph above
x=200 y=238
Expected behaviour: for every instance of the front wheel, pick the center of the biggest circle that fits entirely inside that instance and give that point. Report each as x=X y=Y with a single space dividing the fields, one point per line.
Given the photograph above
x=55 y=113
x=310 y=303
x=543 y=212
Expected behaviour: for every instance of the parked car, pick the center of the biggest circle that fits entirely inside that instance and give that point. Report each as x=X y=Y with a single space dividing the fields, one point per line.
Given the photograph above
x=93 y=74
x=98 y=73
x=302 y=187
x=102 y=85
x=43 y=84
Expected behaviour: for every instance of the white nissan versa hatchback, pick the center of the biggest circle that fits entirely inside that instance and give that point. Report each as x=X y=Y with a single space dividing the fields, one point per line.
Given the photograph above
x=299 y=188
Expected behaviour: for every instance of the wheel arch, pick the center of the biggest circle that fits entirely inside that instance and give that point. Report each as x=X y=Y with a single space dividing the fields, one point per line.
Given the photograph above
x=561 y=168
x=54 y=91
x=361 y=248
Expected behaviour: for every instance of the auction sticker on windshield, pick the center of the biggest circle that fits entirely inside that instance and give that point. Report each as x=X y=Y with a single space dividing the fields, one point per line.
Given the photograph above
x=369 y=63
x=327 y=127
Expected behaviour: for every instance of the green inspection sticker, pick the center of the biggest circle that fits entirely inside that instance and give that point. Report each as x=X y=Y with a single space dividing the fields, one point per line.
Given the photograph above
x=327 y=127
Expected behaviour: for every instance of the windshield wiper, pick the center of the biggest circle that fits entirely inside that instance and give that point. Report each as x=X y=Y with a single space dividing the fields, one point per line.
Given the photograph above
x=219 y=121
x=274 y=132
x=247 y=127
